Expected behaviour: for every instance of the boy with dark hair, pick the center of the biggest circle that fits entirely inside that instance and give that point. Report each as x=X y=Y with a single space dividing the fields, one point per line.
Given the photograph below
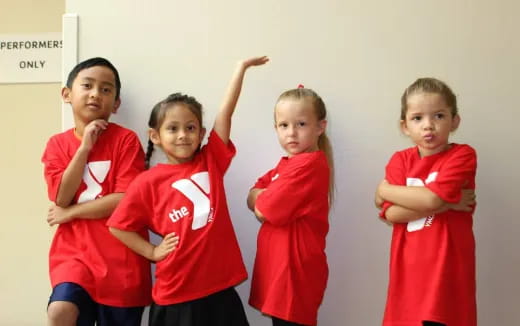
x=95 y=278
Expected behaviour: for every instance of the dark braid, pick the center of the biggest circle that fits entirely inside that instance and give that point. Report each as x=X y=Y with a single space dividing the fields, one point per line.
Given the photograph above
x=149 y=152
x=159 y=111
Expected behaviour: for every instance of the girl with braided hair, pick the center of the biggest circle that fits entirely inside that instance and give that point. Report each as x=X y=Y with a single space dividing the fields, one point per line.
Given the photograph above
x=199 y=260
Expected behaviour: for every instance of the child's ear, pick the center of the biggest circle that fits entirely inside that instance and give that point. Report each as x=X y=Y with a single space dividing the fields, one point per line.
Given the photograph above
x=404 y=128
x=456 y=122
x=154 y=136
x=117 y=103
x=202 y=133
x=65 y=94
x=322 y=126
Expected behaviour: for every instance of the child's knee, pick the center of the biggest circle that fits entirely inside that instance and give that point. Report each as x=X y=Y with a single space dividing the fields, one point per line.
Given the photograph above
x=62 y=312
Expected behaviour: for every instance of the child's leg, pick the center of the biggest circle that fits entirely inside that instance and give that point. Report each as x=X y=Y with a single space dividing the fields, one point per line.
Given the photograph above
x=117 y=316
x=281 y=322
x=226 y=309
x=70 y=304
x=431 y=323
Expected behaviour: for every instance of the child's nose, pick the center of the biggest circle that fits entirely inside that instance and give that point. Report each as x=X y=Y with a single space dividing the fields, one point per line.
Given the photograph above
x=427 y=123
x=94 y=92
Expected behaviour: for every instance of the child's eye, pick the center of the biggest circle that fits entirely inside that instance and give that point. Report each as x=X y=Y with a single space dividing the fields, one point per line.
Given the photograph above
x=439 y=116
x=172 y=128
x=85 y=85
x=282 y=125
x=416 y=118
x=106 y=90
x=191 y=128
x=302 y=123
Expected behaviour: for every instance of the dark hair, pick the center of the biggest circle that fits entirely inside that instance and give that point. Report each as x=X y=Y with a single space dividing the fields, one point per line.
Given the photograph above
x=321 y=113
x=159 y=112
x=429 y=85
x=94 y=62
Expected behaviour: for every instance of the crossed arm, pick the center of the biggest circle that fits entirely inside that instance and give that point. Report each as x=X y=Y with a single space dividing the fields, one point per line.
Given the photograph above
x=411 y=203
x=251 y=203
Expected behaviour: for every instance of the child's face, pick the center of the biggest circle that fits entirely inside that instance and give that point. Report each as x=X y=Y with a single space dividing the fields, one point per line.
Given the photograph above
x=297 y=126
x=93 y=95
x=429 y=122
x=180 y=134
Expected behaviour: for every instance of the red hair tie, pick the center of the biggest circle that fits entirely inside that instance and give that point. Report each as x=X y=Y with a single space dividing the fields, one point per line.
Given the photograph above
x=301 y=86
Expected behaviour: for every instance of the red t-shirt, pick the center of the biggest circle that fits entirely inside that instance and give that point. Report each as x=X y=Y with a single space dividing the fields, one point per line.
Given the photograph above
x=432 y=260
x=188 y=199
x=290 y=273
x=83 y=251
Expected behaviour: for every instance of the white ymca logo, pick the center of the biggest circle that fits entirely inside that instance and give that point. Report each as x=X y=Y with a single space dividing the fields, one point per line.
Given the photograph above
x=425 y=221
x=196 y=189
x=93 y=176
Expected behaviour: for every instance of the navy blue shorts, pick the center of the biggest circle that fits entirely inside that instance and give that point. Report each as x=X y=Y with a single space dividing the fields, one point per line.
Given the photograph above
x=223 y=308
x=91 y=312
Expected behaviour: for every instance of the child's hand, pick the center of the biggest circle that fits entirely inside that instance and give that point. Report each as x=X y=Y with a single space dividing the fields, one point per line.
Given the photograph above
x=256 y=61
x=378 y=200
x=259 y=216
x=167 y=245
x=58 y=215
x=466 y=202
x=91 y=133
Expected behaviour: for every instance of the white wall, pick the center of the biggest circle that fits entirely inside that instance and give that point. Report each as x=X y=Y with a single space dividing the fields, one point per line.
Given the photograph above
x=360 y=56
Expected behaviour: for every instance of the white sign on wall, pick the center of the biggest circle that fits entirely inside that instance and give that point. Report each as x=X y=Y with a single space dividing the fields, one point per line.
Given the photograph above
x=30 y=58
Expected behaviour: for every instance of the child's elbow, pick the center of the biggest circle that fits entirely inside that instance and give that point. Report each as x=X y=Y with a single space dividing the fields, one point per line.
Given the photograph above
x=114 y=231
x=62 y=203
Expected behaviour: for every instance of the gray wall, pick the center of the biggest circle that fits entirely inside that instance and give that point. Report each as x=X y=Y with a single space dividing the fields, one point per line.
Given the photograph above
x=360 y=56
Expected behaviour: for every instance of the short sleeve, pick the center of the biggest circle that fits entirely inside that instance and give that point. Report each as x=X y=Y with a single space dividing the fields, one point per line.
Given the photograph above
x=130 y=162
x=456 y=171
x=133 y=211
x=395 y=175
x=221 y=153
x=264 y=181
x=55 y=163
x=288 y=196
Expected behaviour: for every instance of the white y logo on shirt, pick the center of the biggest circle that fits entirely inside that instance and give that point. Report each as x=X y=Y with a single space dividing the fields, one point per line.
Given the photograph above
x=197 y=189
x=93 y=176
x=425 y=221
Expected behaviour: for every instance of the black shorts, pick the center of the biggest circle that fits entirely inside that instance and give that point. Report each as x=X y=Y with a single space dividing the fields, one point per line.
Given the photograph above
x=223 y=308
x=92 y=313
x=281 y=322
x=431 y=323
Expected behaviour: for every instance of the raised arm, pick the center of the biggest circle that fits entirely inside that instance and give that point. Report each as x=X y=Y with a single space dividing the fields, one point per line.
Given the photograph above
x=223 y=120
